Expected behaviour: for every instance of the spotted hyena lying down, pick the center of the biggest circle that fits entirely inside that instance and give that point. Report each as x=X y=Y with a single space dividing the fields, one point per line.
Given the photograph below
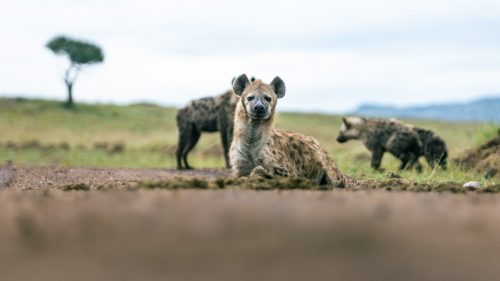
x=380 y=136
x=260 y=150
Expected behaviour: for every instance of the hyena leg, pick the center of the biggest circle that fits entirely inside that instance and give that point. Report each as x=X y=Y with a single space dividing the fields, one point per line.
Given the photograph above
x=413 y=161
x=430 y=160
x=181 y=145
x=418 y=166
x=226 y=143
x=259 y=171
x=377 y=156
x=404 y=161
x=195 y=136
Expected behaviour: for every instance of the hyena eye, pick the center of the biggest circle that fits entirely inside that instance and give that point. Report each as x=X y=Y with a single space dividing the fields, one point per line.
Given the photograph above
x=268 y=98
x=250 y=98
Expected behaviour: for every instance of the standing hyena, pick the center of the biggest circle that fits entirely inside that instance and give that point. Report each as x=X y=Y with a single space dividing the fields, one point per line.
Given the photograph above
x=208 y=114
x=260 y=150
x=380 y=136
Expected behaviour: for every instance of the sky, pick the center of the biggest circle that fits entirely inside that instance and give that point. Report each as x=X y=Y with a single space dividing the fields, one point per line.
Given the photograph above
x=333 y=55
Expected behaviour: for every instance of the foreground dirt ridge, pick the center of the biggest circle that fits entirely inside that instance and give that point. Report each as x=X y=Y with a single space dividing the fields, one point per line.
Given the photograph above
x=244 y=235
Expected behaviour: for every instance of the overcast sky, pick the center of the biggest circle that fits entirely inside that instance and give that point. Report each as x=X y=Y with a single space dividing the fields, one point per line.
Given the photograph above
x=332 y=55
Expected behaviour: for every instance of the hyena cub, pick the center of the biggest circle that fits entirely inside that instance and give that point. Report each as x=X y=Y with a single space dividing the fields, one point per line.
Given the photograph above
x=208 y=114
x=260 y=150
x=380 y=136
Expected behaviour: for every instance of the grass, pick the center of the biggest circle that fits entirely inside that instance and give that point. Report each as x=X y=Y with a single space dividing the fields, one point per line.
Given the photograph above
x=284 y=183
x=40 y=132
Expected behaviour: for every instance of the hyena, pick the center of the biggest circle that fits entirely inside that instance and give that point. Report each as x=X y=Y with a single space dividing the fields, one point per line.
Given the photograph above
x=380 y=136
x=433 y=147
x=260 y=150
x=208 y=114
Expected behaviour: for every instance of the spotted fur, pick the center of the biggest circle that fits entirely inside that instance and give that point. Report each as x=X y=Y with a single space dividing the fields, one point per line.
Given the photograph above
x=260 y=150
x=210 y=114
x=380 y=136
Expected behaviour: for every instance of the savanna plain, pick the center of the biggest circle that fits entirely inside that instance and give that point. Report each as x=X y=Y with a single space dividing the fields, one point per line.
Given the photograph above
x=93 y=195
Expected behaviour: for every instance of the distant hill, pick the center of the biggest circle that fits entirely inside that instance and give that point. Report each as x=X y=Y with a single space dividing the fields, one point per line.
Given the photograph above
x=482 y=110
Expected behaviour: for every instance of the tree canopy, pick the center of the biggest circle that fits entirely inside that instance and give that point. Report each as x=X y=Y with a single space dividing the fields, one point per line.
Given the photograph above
x=78 y=52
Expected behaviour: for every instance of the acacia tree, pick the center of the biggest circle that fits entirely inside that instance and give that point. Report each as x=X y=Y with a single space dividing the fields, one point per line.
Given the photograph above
x=80 y=54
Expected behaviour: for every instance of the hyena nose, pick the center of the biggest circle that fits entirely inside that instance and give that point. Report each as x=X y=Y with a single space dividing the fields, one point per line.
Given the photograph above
x=259 y=108
x=341 y=139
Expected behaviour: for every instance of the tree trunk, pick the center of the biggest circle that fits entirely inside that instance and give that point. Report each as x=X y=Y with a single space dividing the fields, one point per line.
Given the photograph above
x=69 y=101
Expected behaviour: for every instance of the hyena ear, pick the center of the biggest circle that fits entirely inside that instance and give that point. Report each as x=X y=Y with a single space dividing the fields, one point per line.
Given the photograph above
x=278 y=87
x=253 y=79
x=240 y=84
x=346 y=123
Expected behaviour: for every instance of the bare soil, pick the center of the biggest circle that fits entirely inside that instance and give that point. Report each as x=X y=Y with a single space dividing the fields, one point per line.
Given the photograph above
x=58 y=177
x=237 y=234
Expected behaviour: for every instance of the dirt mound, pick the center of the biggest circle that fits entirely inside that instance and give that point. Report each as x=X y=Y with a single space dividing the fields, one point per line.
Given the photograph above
x=485 y=158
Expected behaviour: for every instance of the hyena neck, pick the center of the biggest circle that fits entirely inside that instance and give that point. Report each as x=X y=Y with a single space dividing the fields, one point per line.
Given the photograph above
x=365 y=133
x=251 y=132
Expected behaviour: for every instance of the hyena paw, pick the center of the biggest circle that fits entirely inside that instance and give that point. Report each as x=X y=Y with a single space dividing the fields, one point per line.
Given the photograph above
x=259 y=171
x=280 y=172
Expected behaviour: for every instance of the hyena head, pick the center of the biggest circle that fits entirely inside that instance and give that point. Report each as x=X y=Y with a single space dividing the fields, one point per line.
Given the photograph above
x=350 y=128
x=259 y=99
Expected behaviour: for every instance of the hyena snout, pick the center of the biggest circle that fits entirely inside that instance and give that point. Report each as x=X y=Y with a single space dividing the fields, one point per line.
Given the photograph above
x=342 y=139
x=259 y=109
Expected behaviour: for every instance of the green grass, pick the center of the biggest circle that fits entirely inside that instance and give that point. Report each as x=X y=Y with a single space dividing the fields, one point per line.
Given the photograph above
x=149 y=136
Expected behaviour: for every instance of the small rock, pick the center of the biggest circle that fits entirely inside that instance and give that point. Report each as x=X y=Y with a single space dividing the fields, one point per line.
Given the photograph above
x=472 y=185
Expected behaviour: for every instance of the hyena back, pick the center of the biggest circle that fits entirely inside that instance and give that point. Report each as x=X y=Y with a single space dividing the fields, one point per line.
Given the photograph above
x=260 y=150
x=380 y=136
